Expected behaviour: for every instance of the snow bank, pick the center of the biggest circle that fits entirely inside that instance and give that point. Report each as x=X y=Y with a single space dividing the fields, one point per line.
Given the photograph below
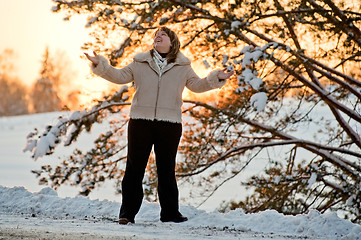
x=18 y=200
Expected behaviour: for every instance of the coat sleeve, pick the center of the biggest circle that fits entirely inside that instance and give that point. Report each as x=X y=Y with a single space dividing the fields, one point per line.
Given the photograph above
x=114 y=75
x=198 y=85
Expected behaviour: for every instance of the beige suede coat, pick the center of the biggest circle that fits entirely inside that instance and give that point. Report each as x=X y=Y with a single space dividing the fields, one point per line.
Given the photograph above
x=158 y=94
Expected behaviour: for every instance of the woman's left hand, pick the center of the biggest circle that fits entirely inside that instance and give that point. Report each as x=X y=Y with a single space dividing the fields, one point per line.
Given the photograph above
x=223 y=75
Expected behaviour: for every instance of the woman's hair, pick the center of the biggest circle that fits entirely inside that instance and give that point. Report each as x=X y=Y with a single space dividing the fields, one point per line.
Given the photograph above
x=174 y=41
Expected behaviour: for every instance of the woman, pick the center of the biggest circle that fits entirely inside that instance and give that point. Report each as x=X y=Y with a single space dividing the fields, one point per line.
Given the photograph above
x=160 y=76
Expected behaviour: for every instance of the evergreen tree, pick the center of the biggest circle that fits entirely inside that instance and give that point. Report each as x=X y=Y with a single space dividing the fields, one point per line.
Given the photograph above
x=49 y=91
x=44 y=97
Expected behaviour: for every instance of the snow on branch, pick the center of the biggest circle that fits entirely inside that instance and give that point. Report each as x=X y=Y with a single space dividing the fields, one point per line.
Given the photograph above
x=249 y=76
x=70 y=127
x=318 y=149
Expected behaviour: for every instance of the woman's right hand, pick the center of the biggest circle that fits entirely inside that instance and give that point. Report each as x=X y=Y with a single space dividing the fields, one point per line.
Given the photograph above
x=93 y=59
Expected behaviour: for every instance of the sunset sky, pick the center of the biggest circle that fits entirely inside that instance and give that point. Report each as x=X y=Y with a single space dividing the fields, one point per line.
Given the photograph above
x=28 y=27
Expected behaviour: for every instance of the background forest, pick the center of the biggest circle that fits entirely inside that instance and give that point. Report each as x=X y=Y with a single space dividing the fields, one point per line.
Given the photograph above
x=46 y=94
x=297 y=65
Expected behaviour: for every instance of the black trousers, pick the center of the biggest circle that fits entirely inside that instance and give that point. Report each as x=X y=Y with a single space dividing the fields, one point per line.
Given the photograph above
x=142 y=136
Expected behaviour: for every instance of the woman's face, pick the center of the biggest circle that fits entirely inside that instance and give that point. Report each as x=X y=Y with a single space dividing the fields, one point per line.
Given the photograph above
x=162 y=42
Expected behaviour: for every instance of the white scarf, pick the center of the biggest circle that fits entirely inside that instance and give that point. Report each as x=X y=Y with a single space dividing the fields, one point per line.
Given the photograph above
x=159 y=60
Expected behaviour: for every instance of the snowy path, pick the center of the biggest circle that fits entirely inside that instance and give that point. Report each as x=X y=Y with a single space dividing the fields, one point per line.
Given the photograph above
x=44 y=215
x=21 y=227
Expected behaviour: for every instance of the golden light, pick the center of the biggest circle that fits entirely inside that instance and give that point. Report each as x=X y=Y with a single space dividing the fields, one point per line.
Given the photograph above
x=202 y=72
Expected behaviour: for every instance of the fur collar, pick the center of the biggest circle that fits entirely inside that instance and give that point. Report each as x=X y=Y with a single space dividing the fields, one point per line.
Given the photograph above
x=147 y=57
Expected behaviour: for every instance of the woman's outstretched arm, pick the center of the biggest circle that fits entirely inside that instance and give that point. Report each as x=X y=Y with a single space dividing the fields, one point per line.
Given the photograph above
x=101 y=67
x=215 y=79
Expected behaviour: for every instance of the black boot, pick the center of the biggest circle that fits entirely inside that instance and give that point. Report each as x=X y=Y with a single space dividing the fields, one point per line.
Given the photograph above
x=177 y=219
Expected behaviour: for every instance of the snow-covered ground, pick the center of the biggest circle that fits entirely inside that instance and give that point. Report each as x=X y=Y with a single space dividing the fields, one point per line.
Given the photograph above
x=46 y=213
x=30 y=211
